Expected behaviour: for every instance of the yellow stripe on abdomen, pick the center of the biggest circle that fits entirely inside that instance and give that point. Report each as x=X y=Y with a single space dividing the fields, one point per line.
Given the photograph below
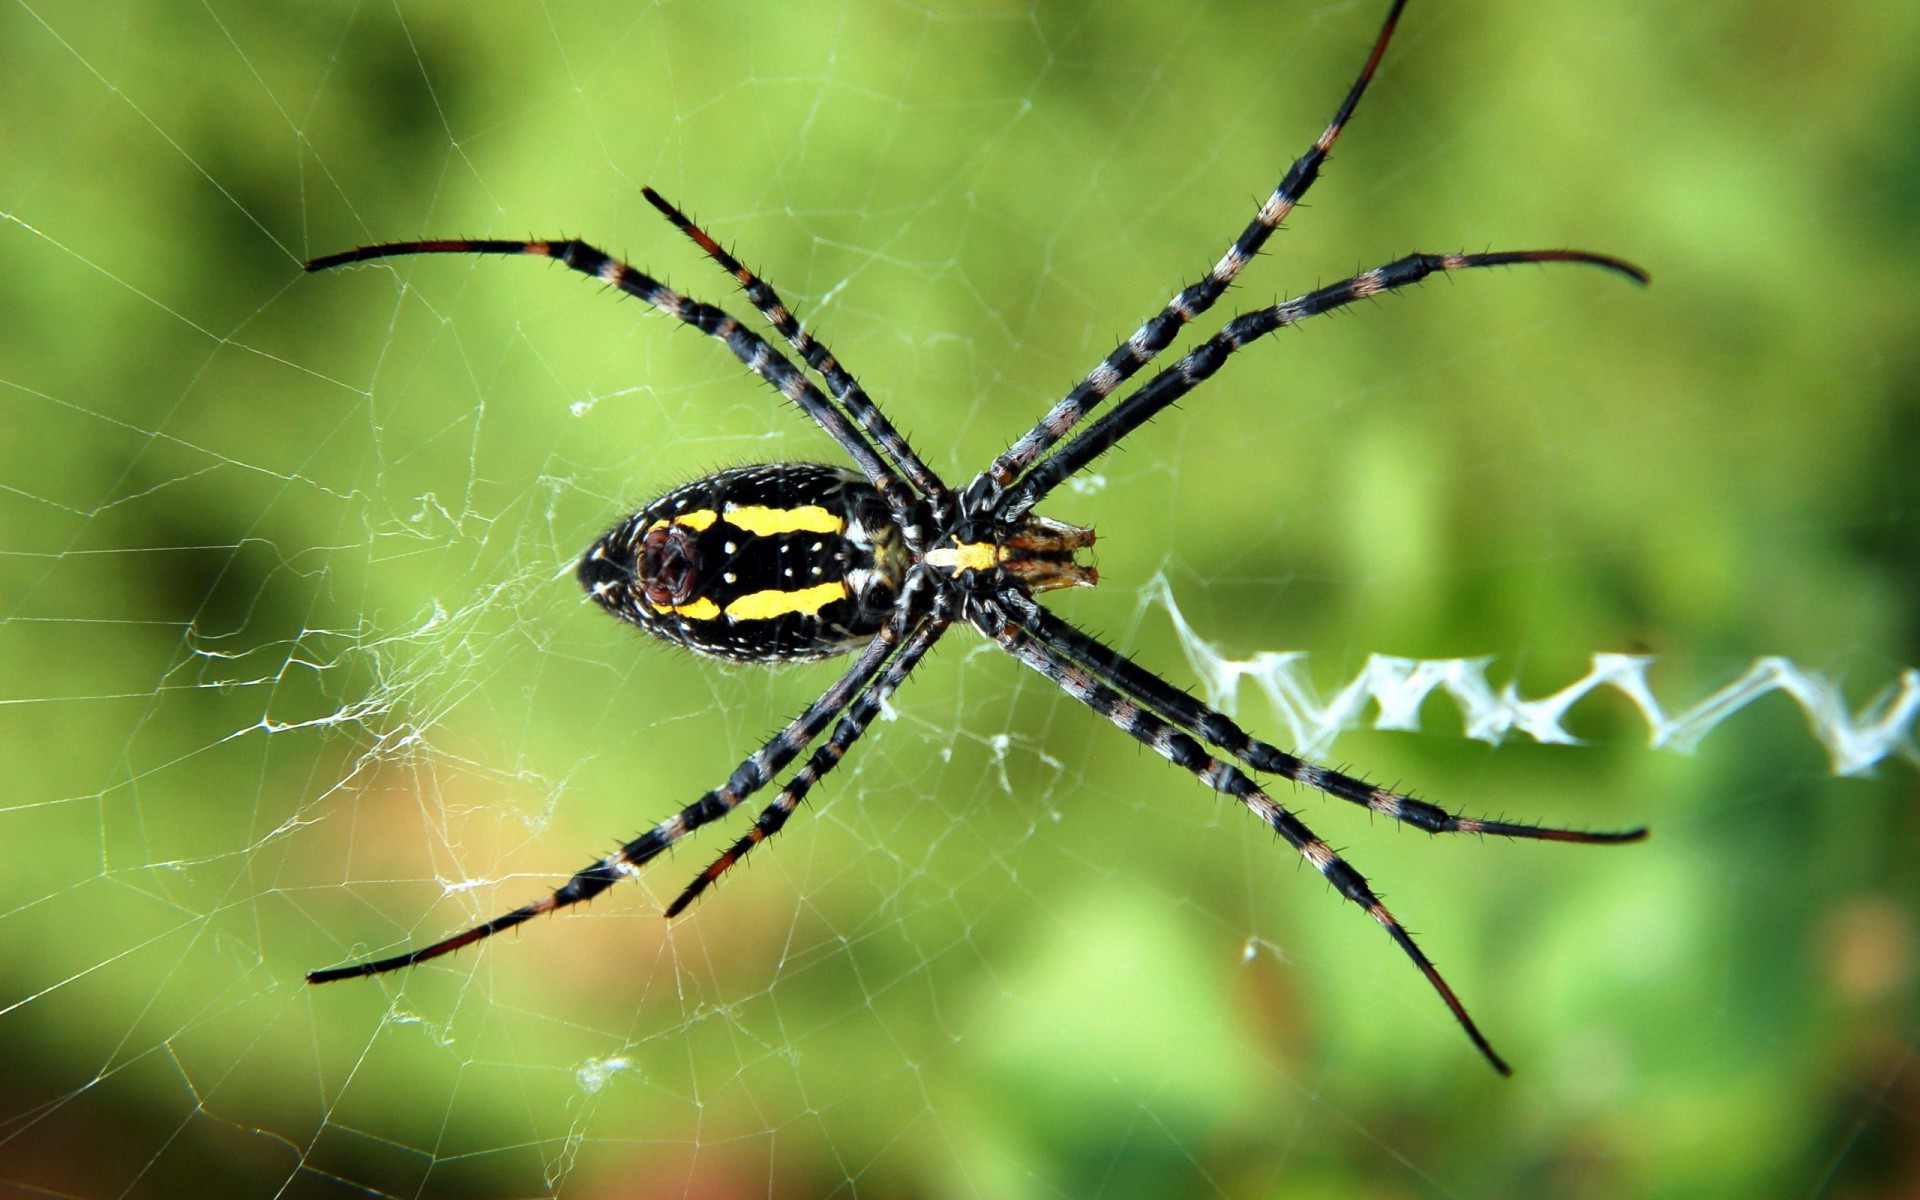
x=696 y=520
x=763 y=521
x=702 y=609
x=764 y=606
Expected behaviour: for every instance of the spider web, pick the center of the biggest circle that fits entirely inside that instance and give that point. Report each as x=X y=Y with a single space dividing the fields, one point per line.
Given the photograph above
x=294 y=670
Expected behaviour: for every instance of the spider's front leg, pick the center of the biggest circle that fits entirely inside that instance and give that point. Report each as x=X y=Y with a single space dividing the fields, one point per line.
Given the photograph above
x=1160 y=330
x=1215 y=728
x=994 y=617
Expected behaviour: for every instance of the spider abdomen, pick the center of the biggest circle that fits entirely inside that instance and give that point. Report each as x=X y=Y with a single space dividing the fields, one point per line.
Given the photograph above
x=777 y=562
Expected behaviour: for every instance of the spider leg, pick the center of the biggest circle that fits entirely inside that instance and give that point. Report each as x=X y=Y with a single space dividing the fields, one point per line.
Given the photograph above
x=750 y=348
x=749 y=777
x=1198 y=364
x=842 y=386
x=825 y=758
x=1181 y=710
x=1183 y=751
x=1196 y=298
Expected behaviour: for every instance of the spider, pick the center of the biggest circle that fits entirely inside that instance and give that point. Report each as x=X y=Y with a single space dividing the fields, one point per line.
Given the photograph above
x=798 y=561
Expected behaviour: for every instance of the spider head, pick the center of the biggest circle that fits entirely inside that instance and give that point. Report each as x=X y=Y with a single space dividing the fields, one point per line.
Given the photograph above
x=1038 y=554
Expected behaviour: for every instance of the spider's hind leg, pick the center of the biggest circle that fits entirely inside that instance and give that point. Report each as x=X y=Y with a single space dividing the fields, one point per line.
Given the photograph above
x=843 y=387
x=752 y=774
x=826 y=756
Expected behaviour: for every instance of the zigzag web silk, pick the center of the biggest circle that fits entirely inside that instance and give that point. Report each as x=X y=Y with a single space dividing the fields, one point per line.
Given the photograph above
x=1855 y=741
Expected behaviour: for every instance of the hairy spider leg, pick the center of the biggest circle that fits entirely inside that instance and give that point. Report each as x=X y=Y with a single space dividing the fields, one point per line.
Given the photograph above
x=1210 y=725
x=750 y=348
x=825 y=758
x=1198 y=364
x=1180 y=749
x=841 y=385
x=754 y=773
x=1159 y=330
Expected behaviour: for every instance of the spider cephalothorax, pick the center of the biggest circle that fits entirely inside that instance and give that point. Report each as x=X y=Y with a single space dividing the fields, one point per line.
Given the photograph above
x=786 y=562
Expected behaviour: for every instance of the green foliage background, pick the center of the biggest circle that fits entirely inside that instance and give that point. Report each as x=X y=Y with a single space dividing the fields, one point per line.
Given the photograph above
x=292 y=669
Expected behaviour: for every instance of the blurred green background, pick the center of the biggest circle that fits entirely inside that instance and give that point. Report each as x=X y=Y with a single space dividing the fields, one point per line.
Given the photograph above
x=293 y=669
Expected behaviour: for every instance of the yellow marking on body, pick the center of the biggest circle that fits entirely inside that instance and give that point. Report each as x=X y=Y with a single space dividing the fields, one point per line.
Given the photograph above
x=970 y=556
x=697 y=520
x=764 y=606
x=762 y=521
x=702 y=609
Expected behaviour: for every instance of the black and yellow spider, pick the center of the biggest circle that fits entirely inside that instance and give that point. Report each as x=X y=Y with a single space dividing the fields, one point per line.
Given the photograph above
x=788 y=562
